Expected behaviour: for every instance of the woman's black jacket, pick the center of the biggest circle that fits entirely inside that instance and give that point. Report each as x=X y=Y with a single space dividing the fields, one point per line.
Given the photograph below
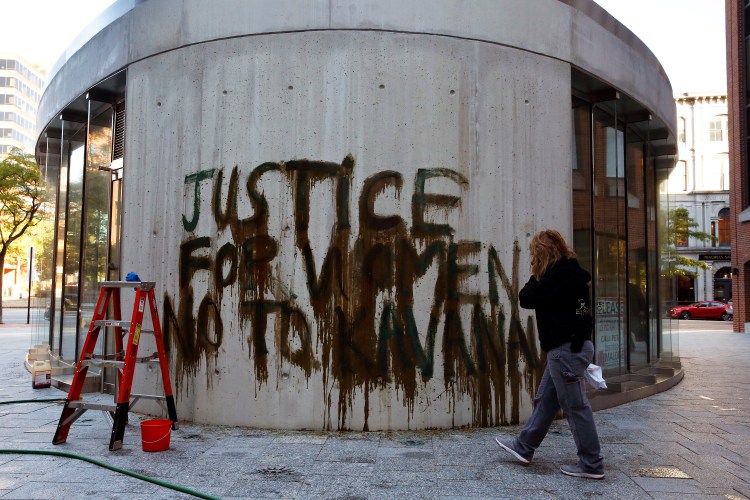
x=562 y=303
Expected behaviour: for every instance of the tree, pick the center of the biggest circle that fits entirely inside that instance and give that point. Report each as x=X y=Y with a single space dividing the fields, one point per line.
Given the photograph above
x=21 y=196
x=681 y=227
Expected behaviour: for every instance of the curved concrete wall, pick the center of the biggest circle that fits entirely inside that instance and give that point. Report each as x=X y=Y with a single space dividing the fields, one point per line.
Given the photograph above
x=576 y=31
x=336 y=197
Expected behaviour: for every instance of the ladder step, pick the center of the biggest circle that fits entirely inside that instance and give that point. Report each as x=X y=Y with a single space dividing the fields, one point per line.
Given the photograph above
x=110 y=363
x=103 y=363
x=85 y=405
x=112 y=322
x=135 y=397
x=143 y=285
x=125 y=325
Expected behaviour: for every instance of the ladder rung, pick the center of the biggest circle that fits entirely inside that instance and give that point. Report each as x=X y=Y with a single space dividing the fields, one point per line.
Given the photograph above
x=125 y=325
x=109 y=363
x=143 y=285
x=120 y=355
x=148 y=359
x=85 y=405
x=133 y=397
x=112 y=322
x=104 y=363
x=92 y=406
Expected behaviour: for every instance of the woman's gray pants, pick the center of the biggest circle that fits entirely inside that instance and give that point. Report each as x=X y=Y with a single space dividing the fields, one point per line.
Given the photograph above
x=563 y=386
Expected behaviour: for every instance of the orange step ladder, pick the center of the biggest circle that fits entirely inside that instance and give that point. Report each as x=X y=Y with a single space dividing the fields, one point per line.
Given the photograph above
x=124 y=359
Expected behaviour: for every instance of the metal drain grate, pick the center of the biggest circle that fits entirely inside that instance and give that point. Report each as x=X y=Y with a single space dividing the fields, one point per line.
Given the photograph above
x=276 y=471
x=663 y=472
x=412 y=442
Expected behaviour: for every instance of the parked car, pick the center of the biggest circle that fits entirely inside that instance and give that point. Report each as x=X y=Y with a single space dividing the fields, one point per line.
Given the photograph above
x=703 y=310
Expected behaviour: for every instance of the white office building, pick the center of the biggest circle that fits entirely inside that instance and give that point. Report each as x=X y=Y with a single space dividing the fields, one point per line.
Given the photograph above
x=700 y=184
x=21 y=85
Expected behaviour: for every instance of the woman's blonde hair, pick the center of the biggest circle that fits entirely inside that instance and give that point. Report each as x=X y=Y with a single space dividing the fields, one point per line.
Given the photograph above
x=546 y=248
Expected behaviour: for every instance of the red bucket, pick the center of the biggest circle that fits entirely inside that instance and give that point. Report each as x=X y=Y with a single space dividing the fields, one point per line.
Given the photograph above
x=155 y=434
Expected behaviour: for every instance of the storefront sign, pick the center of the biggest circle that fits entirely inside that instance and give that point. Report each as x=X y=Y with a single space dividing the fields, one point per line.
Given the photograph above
x=609 y=334
x=715 y=256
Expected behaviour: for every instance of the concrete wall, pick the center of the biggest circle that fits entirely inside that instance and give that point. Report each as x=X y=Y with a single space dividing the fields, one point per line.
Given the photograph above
x=577 y=31
x=480 y=123
x=335 y=198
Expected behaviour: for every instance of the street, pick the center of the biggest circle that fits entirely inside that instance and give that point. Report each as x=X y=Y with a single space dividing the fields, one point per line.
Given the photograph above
x=18 y=315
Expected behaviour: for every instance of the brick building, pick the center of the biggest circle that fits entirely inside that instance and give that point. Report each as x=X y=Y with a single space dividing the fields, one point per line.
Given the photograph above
x=738 y=34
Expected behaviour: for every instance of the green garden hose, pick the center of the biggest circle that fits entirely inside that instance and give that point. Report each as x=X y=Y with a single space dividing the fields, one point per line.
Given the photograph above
x=142 y=477
x=157 y=482
x=20 y=401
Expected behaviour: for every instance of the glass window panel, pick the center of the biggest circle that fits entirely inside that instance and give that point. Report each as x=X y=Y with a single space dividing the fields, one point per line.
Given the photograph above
x=609 y=244
x=59 y=280
x=637 y=303
x=96 y=203
x=653 y=282
x=582 y=185
x=667 y=347
x=71 y=265
x=724 y=226
x=681 y=130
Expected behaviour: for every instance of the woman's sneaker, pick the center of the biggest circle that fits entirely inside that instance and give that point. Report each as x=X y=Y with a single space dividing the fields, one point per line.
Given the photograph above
x=577 y=471
x=510 y=448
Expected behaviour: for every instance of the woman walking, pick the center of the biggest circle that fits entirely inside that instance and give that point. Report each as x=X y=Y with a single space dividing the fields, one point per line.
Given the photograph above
x=558 y=291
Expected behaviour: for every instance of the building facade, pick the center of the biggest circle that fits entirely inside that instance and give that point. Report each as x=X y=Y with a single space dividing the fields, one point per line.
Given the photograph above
x=738 y=85
x=21 y=85
x=700 y=184
x=335 y=200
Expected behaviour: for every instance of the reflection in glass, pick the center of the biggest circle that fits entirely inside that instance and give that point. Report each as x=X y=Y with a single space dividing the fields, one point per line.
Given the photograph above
x=609 y=243
x=667 y=340
x=71 y=263
x=42 y=258
x=582 y=184
x=655 y=307
x=96 y=211
x=638 y=311
x=59 y=250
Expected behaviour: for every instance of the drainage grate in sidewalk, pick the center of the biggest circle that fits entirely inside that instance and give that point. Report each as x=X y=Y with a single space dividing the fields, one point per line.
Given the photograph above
x=413 y=442
x=662 y=472
x=276 y=471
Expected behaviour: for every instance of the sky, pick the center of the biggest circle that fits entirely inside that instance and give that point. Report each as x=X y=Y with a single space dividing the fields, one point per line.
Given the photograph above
x=40 y=30
x=687 y=36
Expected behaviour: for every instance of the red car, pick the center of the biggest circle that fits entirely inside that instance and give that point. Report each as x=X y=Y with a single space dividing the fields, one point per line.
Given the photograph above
x=703 y=310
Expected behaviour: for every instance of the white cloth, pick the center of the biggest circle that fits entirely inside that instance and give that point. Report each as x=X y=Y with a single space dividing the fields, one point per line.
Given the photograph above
x=593 y=375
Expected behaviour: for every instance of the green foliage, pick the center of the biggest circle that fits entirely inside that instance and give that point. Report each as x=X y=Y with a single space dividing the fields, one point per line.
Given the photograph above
x=681 y=227
x=22 y=194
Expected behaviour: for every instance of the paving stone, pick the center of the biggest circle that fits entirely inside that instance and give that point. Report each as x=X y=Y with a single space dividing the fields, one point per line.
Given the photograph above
x=349 y=450
x=652 y=484
x=700 y=427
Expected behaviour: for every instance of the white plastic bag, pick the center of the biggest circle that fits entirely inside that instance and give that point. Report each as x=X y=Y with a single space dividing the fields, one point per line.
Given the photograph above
x=593 y=375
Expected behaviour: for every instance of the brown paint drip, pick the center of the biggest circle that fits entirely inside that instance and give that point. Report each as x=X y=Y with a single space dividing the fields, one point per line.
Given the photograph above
x=358 y=351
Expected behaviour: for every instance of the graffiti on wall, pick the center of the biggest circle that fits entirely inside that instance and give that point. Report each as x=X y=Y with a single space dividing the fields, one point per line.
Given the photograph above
x=359 y=330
